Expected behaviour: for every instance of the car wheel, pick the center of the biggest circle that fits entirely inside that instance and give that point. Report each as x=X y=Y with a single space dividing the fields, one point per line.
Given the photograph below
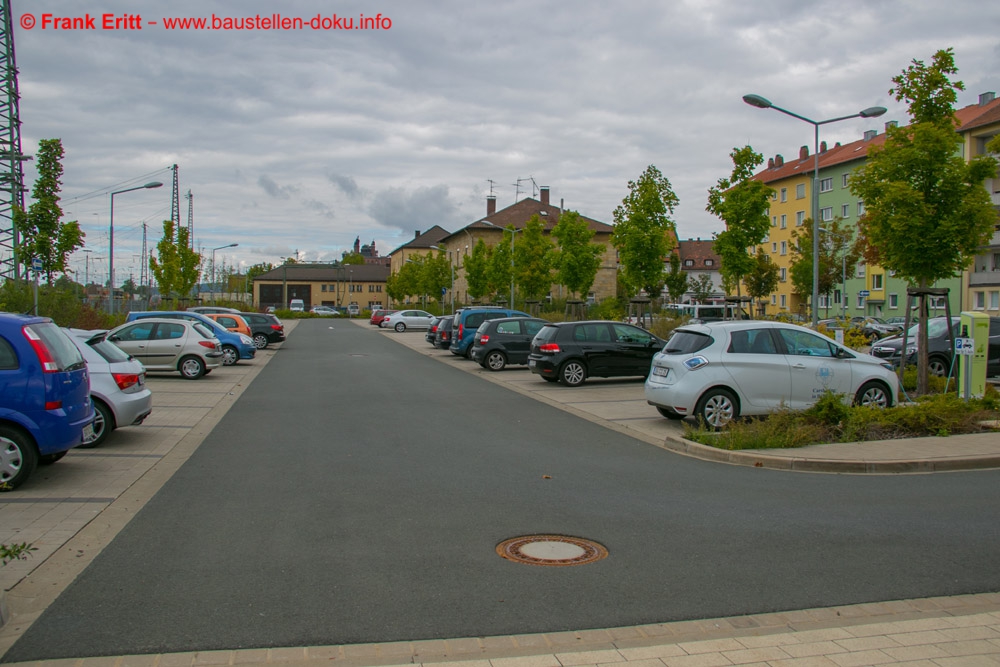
x=49 y=459
x=230 y=355
x=873 y=395
x=495 y=361
x=104 y=423
x=260 y=341
x=400 y=327
x=668 y=413
x=573 y=373
x=191 y=368
x=18 y=456
x=717 y=407
x=937 y=366
x=873 y=338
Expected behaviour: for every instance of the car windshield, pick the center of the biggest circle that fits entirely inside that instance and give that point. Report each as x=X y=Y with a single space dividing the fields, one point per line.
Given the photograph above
x=686 y=342
x=935 y=329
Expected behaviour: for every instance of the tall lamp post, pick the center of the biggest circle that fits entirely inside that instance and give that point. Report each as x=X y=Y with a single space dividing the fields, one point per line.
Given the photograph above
x=512 y=232
x=870 y=112
x=111 y=241
x=221 y=247
x=452 y=267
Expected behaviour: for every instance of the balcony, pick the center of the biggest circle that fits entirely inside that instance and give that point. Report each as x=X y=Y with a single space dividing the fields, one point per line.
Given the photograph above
x=984 y=278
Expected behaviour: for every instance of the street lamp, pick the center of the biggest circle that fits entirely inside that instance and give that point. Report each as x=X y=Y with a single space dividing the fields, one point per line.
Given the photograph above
x=111 y=241
x=221 y=247
x=452 y=267
x=870 y=112
x=512 y=232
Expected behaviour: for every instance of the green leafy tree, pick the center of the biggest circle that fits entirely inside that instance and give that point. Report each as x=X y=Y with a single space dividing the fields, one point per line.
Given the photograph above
x=394 y=287
x=762 y=278
x=577 y=260
x=676 y=280
x=702 y=288
x=927 y=211
x=435 y=276
x=533 y=260
x=129 y=288
x=477 y=269
x=836 y=250
x=42 y=235
x=177 y=269
x=353 y=258
x=742 y=204
x=258 y=270
x=644 y=231
x=498 y=273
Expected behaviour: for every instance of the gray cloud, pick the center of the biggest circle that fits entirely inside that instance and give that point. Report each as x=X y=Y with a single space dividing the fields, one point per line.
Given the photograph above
x=418 y=210
x=346 y=185
x=275 y=190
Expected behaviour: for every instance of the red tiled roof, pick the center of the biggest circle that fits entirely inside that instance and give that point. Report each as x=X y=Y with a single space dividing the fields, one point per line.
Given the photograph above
x=698 y=251
x=519 y=213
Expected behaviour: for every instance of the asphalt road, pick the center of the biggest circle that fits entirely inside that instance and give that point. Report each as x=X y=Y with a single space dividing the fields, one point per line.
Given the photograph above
x=357 y=490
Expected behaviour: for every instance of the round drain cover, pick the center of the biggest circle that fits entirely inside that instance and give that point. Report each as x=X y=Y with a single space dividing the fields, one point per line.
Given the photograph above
x=551 y=550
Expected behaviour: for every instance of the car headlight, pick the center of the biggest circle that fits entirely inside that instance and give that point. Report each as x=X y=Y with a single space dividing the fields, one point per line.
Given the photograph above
x=694 y=363
x=247 y=340
x=911 y=349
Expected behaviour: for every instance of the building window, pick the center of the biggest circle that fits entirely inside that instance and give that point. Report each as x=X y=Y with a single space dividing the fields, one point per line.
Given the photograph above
x=784 y=194
x=783 y=274
x=861 y=271
x=784 y=301
x=826 y=185
x=823 y=302
x=784 y=247
x=800 y=217
x=877 y=281
x=774 y=221
x=837 y=296
x=800 y=191
x=980 y=300
x=826 y=214
x=774 y=299
x=709 y=262
x=688 y=262
x=843 y=180
x=894 y=301
x=845 y=211
x=322 y=288
x=774 y=247
x=994 y=300
x=861 y=301
x=861 y=208
x=784 y=221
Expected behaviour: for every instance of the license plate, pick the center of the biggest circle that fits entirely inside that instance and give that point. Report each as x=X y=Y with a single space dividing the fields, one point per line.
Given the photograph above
x=531 y=363
x=660 y=370
x=88 y=433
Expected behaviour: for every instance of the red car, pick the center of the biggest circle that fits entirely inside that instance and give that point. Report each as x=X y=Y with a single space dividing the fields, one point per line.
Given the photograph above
x=379 y=315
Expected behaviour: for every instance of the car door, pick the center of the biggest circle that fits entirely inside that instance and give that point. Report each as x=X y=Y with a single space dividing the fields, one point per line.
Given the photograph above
x=134 y=339
x=761 y=375
x=596 y=345
x=509 y=337
x=164 y=348
x=528 y=330
x=633 y=351
x=814 y=367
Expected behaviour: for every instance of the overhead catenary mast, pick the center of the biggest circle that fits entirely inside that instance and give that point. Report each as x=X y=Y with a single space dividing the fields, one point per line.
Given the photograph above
x=11 y=174
x=190 y=198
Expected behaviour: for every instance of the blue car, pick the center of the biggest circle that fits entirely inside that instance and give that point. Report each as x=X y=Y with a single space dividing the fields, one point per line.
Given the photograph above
x=235 y=346
x=45 y=406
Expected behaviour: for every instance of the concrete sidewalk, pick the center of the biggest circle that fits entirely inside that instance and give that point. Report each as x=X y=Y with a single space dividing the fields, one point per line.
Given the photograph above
x=92 y=494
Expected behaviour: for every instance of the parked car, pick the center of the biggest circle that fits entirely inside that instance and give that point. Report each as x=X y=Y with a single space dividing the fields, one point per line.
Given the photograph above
x=297 y=305
x=939 y=347
x=117 y=384
x=168 y=344
x=45 y=406
x=432 y=330
x=206 y=310
x=378 y=316
x=407 y=319
x=324 y=311
x=722 y=370
x=467 y=320
x=264 y=329
x=235 y=346
x=442 y=337
x=498 y=343
x=570 y=352
x=874 y=328
x=233 y=322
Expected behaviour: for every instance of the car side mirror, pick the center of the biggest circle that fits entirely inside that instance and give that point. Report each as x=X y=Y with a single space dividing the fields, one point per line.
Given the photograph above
x=114 y=339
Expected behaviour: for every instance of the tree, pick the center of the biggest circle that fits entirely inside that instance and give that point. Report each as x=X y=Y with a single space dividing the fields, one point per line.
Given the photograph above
x=762 y=279
x=476 y=269
x=128 y=287
x=836 y=252
x=742 y=204
x=533 y=260
x=644 y=232
x=354 y=258
x=498 y=271
x=435 y=276
x=676 y=280
x=176 y=271
x=577 y=260
x=258 y=270
x=926 y=210
x=42 y=235
x=702 y=288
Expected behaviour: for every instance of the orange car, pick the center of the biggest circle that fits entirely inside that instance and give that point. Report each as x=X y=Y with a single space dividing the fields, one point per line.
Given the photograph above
x=231 y=322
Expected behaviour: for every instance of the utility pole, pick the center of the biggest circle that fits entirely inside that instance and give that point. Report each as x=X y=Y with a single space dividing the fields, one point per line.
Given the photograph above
x=11 y=174
x=190 y=198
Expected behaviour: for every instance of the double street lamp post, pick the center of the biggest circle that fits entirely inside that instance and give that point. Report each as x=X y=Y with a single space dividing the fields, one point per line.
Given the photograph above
x=214 y=284
x=870 y=112
x=111 y=241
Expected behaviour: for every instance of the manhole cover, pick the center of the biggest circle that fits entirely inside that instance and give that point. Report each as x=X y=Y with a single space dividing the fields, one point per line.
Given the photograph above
x=551 y=550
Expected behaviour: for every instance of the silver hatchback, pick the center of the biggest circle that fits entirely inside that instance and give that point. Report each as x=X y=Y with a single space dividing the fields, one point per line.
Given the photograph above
x=161 y=344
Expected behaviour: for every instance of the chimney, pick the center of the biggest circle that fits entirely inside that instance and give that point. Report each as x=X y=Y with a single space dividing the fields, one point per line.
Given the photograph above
x=870 y=134
x=544 y=194
x=778 y=160
x=804 y=153
x=770 y=163
x=416 y=233
x=891 y=124
x=986 y=98
x=491 y=205
x=822 y=147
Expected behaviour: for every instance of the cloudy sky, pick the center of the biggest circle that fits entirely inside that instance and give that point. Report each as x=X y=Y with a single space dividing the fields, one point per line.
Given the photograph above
x=302 y=140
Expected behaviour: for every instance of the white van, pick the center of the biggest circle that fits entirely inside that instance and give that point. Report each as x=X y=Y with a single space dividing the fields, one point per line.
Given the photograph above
x=297 y=305
x=353 y=309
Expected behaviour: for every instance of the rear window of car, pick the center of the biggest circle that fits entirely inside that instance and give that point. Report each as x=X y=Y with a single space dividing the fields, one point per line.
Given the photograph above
x=108 y=350
x=203 y=330
x=8 y=358
x=686 y=342
x=546 y=334
x=63 y=351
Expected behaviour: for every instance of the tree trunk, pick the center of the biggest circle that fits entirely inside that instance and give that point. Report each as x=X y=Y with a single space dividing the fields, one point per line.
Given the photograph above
x=922 y=380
